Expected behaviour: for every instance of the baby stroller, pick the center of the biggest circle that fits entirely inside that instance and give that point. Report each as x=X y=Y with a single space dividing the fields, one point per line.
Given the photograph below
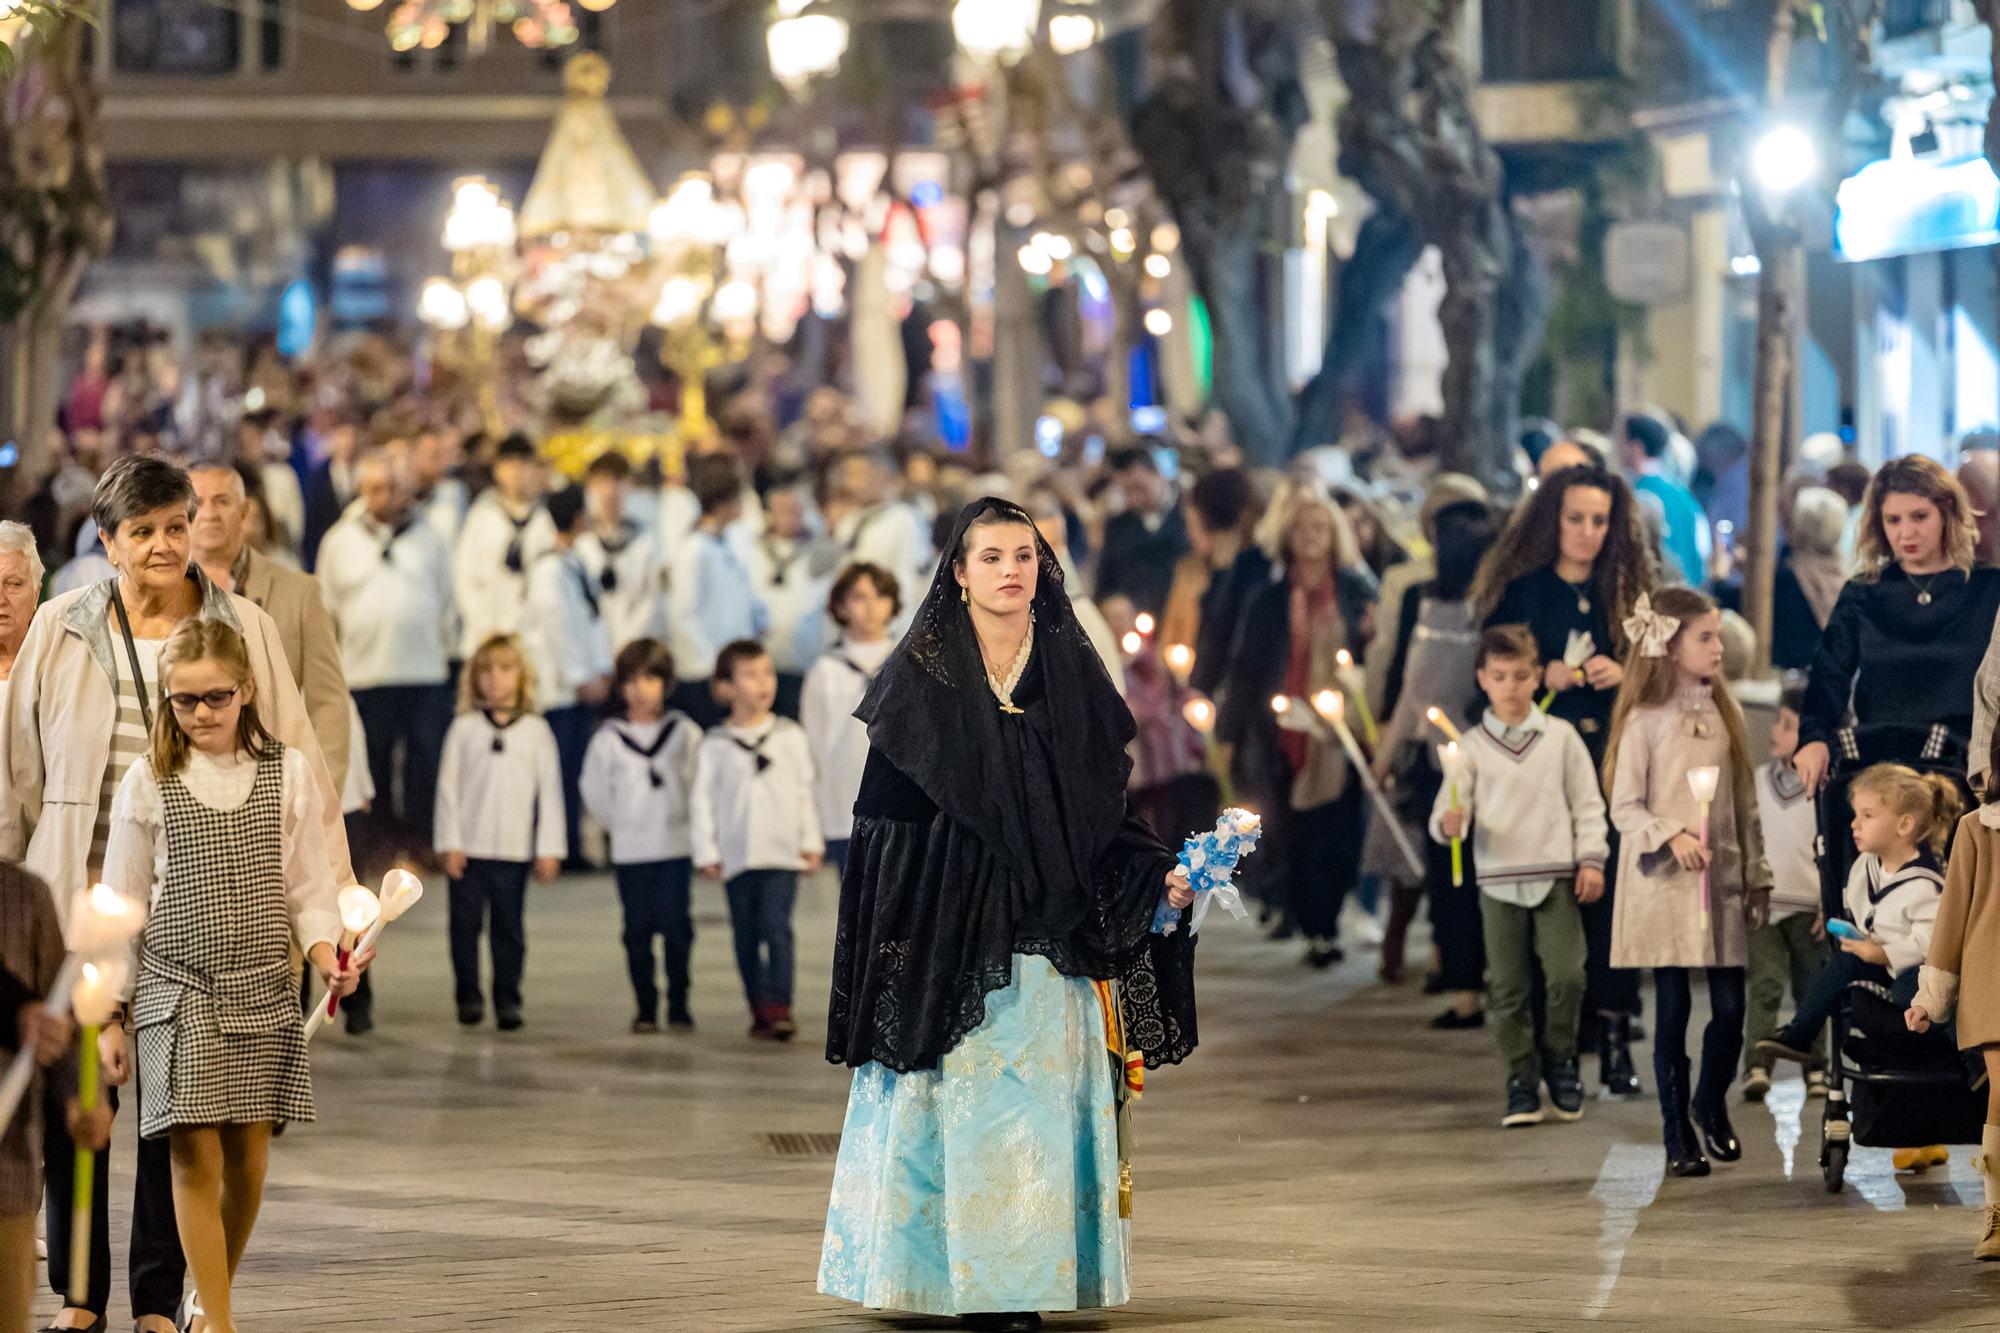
x=1887 y=1087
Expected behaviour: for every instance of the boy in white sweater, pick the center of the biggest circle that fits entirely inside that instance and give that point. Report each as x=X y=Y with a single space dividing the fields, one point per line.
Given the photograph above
x=1526 y=791
x=755 y=825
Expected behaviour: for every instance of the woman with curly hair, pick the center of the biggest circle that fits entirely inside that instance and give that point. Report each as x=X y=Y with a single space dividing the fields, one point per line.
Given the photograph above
x=1906 y=637
x=1571 y=567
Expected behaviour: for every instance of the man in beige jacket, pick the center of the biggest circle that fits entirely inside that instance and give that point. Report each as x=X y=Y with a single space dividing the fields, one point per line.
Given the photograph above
x=291 y=598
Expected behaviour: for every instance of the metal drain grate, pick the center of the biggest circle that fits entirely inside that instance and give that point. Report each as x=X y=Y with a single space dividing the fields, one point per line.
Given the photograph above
x=803 y=1145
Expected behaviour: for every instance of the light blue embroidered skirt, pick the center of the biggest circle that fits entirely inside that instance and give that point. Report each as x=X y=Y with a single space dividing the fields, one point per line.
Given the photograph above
x=991 y=1182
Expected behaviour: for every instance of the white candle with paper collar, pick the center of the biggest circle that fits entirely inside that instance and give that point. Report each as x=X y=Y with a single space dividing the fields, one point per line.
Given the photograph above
x=1702 y=783
x=400 y=892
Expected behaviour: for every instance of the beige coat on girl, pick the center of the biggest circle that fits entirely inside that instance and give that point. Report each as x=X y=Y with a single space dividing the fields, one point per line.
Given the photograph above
x=1658 y=918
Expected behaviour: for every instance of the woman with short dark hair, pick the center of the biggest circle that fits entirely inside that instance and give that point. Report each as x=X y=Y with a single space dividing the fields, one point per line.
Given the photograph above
x=80 y=708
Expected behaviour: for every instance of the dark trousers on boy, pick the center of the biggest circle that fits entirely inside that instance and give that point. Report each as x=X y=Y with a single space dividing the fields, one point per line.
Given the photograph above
x=573 y=727
x=760 y=916
x=157 y=1270
x=1517 y=938
x=655 y=898
x=1780 y=952
x=492 y=897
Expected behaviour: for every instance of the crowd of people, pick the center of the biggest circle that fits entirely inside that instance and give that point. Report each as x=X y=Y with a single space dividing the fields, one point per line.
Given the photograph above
x=318 y=628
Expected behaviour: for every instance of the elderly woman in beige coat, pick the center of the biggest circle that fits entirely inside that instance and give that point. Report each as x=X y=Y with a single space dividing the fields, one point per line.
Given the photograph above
x=84 y=689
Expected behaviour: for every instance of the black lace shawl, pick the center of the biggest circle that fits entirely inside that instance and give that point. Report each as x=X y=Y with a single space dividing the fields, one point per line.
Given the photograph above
x=981 y=834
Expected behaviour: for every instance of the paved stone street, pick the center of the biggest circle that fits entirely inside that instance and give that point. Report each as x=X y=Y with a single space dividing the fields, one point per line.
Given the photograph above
x=1324 y=1161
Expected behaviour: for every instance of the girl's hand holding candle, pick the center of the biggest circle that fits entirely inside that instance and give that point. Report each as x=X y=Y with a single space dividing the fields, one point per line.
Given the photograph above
x=400 y=892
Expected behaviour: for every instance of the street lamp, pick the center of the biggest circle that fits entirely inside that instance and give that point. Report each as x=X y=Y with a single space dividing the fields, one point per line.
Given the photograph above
x=999 y=30
x=804 y=45
x=1784 y=159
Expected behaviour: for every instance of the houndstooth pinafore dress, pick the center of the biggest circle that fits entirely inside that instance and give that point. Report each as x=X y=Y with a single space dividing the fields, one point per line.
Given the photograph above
x=215 y=1013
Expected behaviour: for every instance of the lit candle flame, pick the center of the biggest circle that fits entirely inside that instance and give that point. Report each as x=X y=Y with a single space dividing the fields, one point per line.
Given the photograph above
x=1703 y=781
x=1132 y=643
x=1281 y=704
x=1143 y=622
x=359 y=908
x=1330 y=705
x=1436 y=717
x=1180 y=659
x=1200 y=715
x=1345 y=660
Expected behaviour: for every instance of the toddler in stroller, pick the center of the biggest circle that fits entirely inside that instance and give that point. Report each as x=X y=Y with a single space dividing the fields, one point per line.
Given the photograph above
x=1886 y=1088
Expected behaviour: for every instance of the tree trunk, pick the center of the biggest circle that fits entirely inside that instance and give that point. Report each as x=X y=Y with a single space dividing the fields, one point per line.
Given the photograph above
x=1223 y=263
x=54 y=219
x=1777 y=247
x=1384 y=253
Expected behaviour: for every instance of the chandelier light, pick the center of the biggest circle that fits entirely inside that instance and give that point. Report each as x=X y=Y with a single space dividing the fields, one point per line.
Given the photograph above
x=535 y=23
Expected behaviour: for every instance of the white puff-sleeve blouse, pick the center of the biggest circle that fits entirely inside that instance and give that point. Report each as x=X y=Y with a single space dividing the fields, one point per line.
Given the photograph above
x=135 y=859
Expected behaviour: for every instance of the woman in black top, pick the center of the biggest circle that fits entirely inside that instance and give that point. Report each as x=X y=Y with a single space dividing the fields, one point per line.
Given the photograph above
x=1907 y=636
x=1573 y=563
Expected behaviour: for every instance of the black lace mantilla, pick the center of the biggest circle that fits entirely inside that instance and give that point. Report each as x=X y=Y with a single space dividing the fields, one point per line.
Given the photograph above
x=981 y=834
x=907 y=994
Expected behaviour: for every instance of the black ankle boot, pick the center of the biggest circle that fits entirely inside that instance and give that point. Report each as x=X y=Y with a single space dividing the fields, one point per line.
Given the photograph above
x=1711 y=1102
x=1614 y=1067
x=1683 y=1148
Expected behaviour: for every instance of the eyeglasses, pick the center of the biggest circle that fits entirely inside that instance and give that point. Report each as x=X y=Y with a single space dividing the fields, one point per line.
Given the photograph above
x=217 y=700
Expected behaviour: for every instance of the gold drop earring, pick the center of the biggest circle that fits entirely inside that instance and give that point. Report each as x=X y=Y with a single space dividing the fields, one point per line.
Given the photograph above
x=963 y=595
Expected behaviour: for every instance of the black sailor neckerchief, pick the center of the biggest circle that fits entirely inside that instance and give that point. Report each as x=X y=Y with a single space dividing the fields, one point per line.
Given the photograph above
x=839 y=654
x=396 y=530
x=516 y=562
x=650 y=752
x=755 y=749
x=500 y=728
x=781 y=565
x=574 y=563
x=614 y=546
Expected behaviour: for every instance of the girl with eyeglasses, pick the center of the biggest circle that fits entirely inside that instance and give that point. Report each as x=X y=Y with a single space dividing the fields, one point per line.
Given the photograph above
x=219 y=828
